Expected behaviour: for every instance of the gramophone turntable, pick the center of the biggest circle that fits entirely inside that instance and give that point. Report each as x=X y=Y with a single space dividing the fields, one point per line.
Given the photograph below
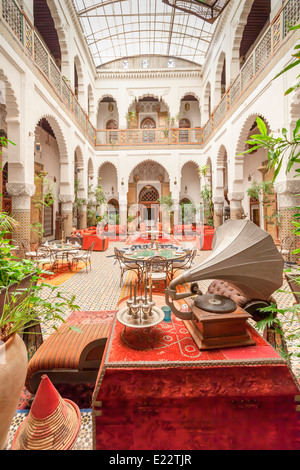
x=246 y=257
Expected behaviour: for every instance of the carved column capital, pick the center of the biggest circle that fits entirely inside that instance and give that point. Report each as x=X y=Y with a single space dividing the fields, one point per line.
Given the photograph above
x=20 y=189
x=64 y=198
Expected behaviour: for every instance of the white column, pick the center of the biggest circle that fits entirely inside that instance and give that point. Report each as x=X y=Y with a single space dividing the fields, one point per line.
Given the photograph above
x=236 y=207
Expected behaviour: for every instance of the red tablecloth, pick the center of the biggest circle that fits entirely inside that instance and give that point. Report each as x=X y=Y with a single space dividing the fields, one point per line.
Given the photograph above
x=167 y=395
x=101 y=244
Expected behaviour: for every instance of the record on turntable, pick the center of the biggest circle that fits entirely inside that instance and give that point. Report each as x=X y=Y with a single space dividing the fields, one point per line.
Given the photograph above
x=215 y=303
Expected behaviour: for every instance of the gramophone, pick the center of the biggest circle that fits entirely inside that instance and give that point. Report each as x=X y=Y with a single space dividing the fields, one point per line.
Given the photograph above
x=246 y=257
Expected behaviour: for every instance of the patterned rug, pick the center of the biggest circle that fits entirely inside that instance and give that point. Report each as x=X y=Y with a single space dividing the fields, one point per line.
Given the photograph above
x=171 y=341
x=60 y=275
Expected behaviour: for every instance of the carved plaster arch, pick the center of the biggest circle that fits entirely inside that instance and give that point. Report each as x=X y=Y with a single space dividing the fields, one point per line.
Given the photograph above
x=78 y=154
x=91 y=100
x=60 y=139
x=249 y=121
x=192 y=93
x=221 y=156
x=218 y=77
x=150 y=95
x=80 y=75
x=61 y=33
x=90 y=168
x=104 y=163
x=150 y=160
x=107 y=95
x=189 y=161
x=10 y=100
x=238 y=35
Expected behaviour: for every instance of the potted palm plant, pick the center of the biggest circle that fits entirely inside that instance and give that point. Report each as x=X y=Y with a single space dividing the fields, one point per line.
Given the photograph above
x=24 y=307
x=23 y=310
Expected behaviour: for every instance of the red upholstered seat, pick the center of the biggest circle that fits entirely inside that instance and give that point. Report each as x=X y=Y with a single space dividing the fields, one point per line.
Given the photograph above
x=68 y=351
x=223 y=288
x=101 y=244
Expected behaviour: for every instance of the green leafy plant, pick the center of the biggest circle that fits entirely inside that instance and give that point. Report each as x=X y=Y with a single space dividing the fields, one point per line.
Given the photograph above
x=12 y=269
x=283 y=148
x=263 y=193
x=79 y=202
x=131 y=116
x=293 y=64
x=203 y=170
x=206 y=194
x=130 y=218
x=43 y=197
x=31 y=306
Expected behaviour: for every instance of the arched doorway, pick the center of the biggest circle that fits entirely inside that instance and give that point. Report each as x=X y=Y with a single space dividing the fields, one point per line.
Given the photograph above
x=113 y=135
x=148 y=201
x=148 y=135
x=184 y=126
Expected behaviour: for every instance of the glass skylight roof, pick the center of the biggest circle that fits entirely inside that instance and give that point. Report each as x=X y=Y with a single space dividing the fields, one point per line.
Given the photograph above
x=116 y=29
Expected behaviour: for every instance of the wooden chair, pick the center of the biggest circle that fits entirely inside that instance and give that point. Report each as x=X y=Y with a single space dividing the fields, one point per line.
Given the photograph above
x=157 y=267
x=126 y=265
x=85 y=257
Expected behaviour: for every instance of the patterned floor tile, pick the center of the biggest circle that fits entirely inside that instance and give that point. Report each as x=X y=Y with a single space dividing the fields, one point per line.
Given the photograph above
x=99 y=289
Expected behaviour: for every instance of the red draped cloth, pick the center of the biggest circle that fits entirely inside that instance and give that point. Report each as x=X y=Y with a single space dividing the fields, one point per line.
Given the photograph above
x=155 y=390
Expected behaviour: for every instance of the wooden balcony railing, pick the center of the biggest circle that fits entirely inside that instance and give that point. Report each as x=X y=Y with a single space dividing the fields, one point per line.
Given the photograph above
x=148 y=137
x=18 y=24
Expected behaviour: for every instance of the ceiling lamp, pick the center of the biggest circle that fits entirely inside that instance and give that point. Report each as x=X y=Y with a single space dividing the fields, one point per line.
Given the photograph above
x=207 y=10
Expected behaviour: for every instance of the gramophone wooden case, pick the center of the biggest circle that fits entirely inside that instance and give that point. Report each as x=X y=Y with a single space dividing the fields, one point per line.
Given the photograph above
x=218 y=330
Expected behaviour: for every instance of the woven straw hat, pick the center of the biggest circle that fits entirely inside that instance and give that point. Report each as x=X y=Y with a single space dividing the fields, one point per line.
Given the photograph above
x=53 y=423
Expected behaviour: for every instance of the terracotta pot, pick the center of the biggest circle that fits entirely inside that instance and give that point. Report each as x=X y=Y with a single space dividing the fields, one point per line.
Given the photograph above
x=13 y=370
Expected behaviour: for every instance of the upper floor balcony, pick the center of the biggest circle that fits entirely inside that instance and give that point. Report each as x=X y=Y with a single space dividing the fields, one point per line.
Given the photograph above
x=14 y=23
x=148 y=137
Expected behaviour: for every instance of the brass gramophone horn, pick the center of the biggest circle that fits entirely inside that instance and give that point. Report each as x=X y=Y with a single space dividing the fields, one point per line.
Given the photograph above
x=243 y=255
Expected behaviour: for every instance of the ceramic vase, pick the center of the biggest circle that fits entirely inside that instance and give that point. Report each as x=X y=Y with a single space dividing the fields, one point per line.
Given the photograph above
x=13 y=370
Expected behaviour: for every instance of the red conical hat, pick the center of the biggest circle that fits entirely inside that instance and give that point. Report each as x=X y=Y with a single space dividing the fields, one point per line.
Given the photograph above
x=53 y=423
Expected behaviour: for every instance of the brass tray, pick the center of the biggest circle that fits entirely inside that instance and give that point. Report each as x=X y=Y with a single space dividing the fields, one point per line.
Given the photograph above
x=128 y=320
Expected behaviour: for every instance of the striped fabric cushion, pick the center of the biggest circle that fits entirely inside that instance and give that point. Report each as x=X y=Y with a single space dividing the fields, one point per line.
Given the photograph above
x=62 y=350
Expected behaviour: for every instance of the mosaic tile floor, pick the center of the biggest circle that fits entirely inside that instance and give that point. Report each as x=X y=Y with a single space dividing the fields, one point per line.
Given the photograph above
x=99 y=289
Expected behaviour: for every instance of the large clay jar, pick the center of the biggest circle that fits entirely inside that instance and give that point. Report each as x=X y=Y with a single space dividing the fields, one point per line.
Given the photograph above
x=13 y=370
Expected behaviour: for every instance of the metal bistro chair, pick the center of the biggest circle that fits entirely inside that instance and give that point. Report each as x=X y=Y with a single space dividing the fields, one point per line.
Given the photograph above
x=27 y=253
x=48 y=258
x=294 y=286
x=185 y=263
x=286 y=247
x=126 y=265
x=85 y=257
x=157 y=267
x=66 y=256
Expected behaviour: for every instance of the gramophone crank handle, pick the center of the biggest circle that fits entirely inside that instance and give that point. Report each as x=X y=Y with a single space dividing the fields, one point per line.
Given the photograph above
x=187 y=315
